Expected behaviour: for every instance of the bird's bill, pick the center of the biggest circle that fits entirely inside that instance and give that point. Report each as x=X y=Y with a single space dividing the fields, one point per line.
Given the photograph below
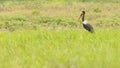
x=80 y=16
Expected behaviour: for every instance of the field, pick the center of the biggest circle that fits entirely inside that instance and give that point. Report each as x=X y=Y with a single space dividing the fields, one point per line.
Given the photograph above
x=48 y=34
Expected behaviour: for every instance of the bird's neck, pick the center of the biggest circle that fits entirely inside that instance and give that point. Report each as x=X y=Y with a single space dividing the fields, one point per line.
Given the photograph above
x=83 y=18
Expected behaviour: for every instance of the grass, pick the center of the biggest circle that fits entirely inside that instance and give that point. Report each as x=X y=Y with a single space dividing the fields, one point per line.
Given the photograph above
x=35 y=14
x=60 y=49
x=36 y=34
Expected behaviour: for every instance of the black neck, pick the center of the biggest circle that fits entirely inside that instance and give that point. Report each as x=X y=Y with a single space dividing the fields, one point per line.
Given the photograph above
x=83 y=18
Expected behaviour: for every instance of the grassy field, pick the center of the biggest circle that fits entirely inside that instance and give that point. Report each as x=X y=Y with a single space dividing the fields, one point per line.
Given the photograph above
x=38 y=34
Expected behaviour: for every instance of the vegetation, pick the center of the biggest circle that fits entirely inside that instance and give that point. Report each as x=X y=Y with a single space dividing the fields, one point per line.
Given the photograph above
x=45 y=34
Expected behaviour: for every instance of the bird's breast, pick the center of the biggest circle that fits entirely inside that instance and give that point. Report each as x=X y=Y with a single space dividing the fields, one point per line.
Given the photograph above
x=85 y=22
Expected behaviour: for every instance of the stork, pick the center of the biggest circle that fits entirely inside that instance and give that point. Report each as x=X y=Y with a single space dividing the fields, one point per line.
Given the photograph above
x=86 y=25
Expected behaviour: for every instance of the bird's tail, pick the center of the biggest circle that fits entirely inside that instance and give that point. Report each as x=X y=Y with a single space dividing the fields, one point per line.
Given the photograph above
x=92 y=30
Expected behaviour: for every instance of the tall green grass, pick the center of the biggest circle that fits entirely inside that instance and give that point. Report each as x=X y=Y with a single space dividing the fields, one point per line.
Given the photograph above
x=60 y=49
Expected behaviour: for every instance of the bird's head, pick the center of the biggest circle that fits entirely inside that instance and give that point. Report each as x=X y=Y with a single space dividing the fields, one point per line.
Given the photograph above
x=83 y=13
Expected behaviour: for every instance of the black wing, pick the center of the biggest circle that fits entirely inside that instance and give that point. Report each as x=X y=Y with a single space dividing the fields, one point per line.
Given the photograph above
x=88 y=27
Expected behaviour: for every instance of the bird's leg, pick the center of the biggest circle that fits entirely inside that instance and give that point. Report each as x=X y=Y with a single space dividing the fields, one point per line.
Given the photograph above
x=85 y=30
